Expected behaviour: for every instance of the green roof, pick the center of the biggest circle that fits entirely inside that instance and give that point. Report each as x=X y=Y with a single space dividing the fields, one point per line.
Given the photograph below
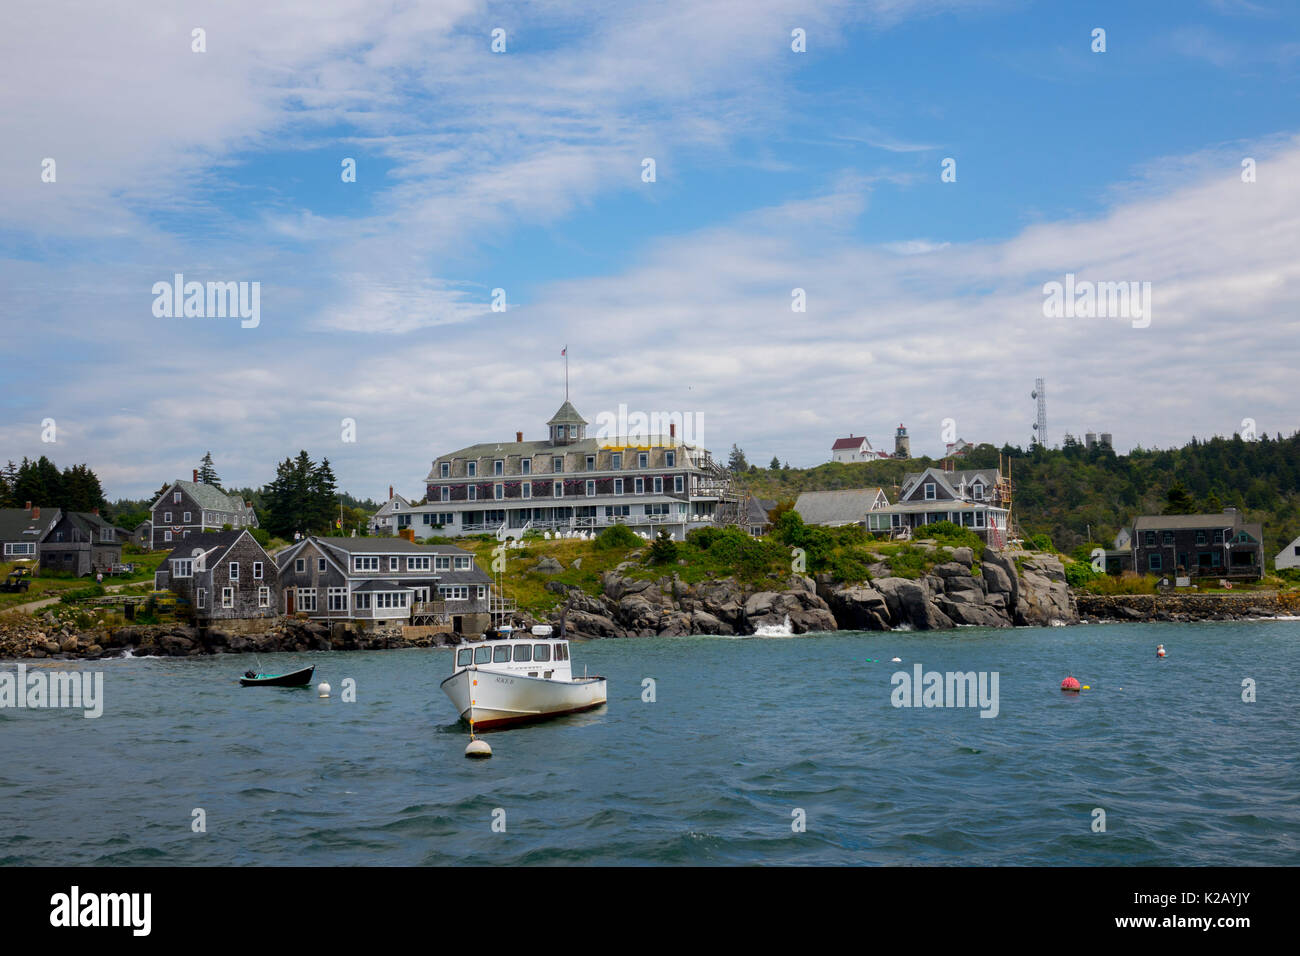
x=567 y=415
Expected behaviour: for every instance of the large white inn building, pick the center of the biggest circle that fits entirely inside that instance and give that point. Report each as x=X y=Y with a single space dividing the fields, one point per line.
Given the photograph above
x=570 y=482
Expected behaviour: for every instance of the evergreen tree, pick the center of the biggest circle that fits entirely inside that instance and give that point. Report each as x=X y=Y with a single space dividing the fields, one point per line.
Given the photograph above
x=40 y=483
x=1178 y=501
x=775 y=464
x=208 y=473
x=736 y=461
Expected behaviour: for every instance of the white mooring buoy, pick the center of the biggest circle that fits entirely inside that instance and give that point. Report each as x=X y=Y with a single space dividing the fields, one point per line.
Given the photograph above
x=322 y=689
x=478 y=748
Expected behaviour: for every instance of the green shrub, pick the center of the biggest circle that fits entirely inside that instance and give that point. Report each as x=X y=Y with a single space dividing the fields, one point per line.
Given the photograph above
x=616 y=536
x=81 y=594
x=261 y=536
x=1079 y=573
x=702 y=538
x=664 y=549
x=1041 y=542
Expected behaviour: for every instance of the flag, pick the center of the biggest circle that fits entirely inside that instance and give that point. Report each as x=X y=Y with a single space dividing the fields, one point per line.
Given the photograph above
x=564 y=351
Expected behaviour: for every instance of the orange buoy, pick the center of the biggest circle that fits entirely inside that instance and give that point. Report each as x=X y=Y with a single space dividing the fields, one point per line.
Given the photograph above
x=1070 y=684
x=1160 y=650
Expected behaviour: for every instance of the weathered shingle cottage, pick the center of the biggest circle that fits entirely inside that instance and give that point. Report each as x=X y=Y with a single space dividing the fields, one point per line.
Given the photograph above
x=21 y=530
x=834 y=509
x=392 y=580
x=1196 y=546
x=225 y=575
x=81 y=543
x=191 y=507
x=974 y=498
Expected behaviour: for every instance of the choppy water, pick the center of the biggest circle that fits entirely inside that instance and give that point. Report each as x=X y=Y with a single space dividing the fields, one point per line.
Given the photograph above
x=743 y=733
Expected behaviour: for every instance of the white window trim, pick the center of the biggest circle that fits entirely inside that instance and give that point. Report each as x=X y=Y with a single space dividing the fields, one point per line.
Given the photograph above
x=263 y=596
x=227 y=597
x=234 y=570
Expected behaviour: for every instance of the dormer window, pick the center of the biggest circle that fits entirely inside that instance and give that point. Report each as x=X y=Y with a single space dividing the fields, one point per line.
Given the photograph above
x=616 y=460
x=977 y=491
x=930 y=491
x=642 y=459
x=176 y=498
x=670 y=459
x=471 y=469
x=591 y=462
x=557 y=464
x=525 y=466
x=498 y=467
x=444 y=470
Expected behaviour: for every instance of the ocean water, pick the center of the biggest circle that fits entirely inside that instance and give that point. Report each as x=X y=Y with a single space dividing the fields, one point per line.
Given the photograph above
x=746 y=737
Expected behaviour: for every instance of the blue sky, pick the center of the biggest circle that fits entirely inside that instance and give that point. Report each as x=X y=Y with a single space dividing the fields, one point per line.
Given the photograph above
x=522 y=171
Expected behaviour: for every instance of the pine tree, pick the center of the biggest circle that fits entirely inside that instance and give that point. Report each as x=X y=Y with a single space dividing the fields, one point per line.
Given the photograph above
x=736 y=462
x=775 y=465
x=207 y=473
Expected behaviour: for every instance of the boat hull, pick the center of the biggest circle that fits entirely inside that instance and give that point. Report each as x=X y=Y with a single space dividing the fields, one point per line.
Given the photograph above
x=298 y=678
x=488 y=700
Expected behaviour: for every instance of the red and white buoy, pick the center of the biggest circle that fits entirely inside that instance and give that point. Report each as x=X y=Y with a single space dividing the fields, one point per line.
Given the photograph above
x=1160 y=650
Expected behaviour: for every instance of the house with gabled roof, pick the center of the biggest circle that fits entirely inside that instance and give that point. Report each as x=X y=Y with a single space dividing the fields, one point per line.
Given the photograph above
x=392 y=514
x=855 y=448
x=225 y=575
x=21 y=530
x=842 y=507
x=388 y=580
x=973 y=498
x=192 y=507
x=81 y=543
x=1222 y=545
x=1288 y=557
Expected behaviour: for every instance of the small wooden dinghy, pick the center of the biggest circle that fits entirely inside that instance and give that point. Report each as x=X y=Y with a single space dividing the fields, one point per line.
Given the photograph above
x=298 y=678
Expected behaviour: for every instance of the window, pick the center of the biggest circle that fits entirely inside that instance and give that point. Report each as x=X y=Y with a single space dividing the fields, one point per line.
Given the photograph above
x=591 y=462
x=498 y=491
x=638 y=485
x=523 y=653
x=642 y=459
x=446 y=493
x=1151 y=539
x=561 y=652
x=472 y=492
x=361 y=601
x=234 y=570
x=618 y=486
x=454 y=592
x=557 y=464
x=417 y=564
x=201 y=597
x=471 y=469
x=441 y=562
x=263 y=597
x=167 y=516
x=462 y=562
x=464 y=656
x=482 y=591
x=930 y=494
x=541 y=652
x=1169 y=537
x=558 y=489
x=977 y=491
x=365 y=563
x=1153 y=561
x=616 y=460
x=176 y=497
x=660 y=509
x=444 y=470
x=498 y=467
x=501 y=654
x=167 y=535
x=394 y=563
x=591 y=488
x=1200 y=537
x=257 y=570
x=182 y=569
x=679 y=484
x=1218 y=537
x=670 y=459
x=20 y=547
x=227 y=597
x=526 y=489
x=618 y=511
x=525 y=466
x=659 y=485
x=337 y=599
x=300 y=566
x=320 y=565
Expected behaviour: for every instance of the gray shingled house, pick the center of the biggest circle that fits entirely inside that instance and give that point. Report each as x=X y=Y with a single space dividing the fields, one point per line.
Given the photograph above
x=1220 y=545
x=190 y=507
x=391 y=580
x=846 y=506
x=225 y=575
x=81 y=543
x=21 y=530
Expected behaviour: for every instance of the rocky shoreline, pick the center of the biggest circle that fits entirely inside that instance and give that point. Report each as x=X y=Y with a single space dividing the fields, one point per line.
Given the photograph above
x=1028 y=589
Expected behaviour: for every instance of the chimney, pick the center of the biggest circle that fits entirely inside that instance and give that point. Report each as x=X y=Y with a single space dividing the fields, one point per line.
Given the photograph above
x=519 y=436
x=196 y=476
x=672 y=429
x=390 y=492
x=407 y=533
x=28 y=506
x=36 y=512
x=94 y=511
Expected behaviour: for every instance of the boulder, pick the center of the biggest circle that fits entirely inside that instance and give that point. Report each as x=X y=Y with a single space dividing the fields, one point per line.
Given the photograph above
x=702 y=622
x=548 y=565
x=859 y=608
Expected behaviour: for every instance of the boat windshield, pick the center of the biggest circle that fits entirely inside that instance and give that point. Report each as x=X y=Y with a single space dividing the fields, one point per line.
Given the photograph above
x=464 y=656
x=541 y=652
x=482 y=654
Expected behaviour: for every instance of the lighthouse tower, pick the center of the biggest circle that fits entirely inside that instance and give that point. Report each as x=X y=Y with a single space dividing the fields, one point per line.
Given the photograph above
x=902 y=444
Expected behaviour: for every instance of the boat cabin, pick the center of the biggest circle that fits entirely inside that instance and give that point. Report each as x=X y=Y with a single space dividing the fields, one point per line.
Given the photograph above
x=525 y=655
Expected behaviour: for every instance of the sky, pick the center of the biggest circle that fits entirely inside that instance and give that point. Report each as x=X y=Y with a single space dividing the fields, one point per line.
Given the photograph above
x=922 y=171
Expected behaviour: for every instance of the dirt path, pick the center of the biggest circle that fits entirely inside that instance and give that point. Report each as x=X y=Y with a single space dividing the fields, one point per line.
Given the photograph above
x=33 y=606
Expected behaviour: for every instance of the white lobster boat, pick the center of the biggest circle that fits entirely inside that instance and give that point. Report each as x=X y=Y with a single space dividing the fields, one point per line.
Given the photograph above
x=515 y=677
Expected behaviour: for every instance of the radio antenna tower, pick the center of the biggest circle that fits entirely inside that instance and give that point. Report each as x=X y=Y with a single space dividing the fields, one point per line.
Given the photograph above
x=1040 y=425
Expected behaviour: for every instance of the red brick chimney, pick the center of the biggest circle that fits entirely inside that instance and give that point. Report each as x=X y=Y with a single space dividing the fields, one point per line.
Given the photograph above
x=28 y=506
x=94 y=511
x=196 y=476
x=390 y=492
x=519 y=436
x=36 y=512
x=672 y=429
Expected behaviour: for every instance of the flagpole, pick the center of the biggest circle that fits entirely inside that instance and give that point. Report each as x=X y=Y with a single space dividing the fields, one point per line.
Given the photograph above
x=566 y=373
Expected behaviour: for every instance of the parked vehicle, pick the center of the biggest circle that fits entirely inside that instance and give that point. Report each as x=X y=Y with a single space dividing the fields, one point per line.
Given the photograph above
x=19 y=580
